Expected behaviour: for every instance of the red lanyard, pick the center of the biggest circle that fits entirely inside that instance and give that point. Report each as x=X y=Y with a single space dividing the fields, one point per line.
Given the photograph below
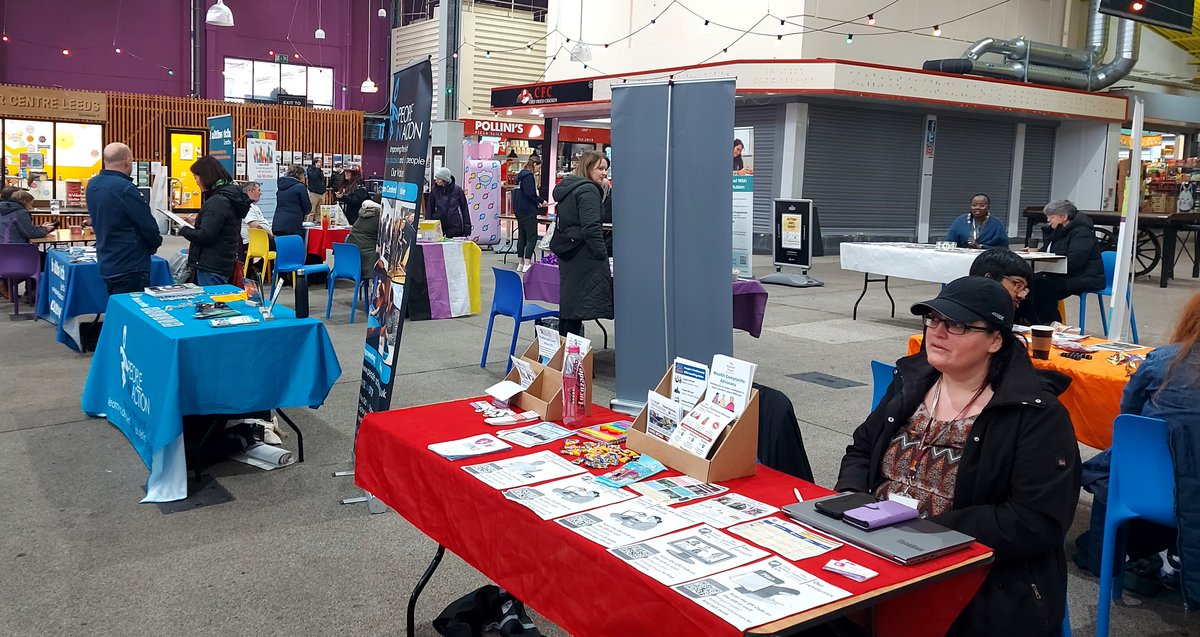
x=927 y=439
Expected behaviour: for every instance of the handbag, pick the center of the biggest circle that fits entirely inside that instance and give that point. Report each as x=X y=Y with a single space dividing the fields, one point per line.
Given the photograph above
x=544 y=244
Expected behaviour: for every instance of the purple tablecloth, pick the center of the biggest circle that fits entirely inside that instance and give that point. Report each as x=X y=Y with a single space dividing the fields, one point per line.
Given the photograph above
x=749 y=296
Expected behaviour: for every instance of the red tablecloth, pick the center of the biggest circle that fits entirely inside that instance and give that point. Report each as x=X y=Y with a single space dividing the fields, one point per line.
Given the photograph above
x=576 y=583
x=321 y=240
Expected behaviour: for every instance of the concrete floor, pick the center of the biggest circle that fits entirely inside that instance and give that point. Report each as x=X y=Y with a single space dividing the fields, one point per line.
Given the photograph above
x=80 y=556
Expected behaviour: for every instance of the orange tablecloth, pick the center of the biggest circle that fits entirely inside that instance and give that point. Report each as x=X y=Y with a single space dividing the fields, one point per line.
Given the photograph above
x=1094 y=397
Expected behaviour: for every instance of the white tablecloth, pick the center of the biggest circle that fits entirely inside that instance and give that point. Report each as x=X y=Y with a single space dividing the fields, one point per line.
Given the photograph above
x=922 y=262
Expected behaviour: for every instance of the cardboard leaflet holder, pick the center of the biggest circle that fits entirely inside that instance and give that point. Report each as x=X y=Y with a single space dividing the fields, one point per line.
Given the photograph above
x=556 y=363
x=544 y=394
x=734 y=455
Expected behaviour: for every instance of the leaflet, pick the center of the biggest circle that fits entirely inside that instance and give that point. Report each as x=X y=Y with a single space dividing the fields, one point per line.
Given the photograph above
x=689 y=381
x=727 y=510
x=730 y=382
x=700 y=429
x=468 y=447
x=564 y=497
x=583 y=343
x=548 y=343
x=785 y=538
x=535 y=434
x=686 y=555
x=760 y=593
x=677 y=490
x=662 y=415
x=522 y=470
x=524 y=370
x=627 y=522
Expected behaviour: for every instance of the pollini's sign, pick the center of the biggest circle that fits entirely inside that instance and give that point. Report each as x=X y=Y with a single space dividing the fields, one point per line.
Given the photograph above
x=26 y=102
x=502 y=129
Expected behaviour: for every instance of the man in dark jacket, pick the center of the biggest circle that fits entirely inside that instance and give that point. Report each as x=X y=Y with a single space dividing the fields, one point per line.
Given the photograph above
x=1072 y=235
x=291 y=203
x=448 y=204
x=126 y=231
x=316 y=185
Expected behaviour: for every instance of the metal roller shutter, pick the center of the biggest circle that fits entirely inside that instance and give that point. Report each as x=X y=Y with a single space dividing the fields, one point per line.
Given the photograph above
x=862 y=169
x=1038 y=169
x=765 y=120
x=973 y=156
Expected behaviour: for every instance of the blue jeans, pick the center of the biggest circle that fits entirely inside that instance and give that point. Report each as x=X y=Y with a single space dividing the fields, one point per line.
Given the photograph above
x=205 y=278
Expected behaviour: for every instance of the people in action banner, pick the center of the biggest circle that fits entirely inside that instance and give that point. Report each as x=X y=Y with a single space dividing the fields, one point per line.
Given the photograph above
x=404 y=176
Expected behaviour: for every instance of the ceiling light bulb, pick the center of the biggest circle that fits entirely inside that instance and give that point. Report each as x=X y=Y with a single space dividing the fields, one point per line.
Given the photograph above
x=779 y=38
x=118 y=49
x=368 y=86
x=871 y=19
x=170 y=71
x=508 y=112
x=782 y=22
x=706 y=23
x=850 y=38
x=487 y=54
x=382 y=12
x=1138 y=6
x=66 y=51
x=320 y=34
x=937 y=29
x=271 y=52
x=4 y=37
x=219 y=15
x=652 y=21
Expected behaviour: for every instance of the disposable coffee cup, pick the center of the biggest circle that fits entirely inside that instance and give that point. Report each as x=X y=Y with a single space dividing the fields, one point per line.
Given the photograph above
x=1043 y=337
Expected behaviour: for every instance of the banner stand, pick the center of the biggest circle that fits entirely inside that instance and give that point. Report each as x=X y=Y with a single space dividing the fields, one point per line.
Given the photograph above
x=793 y=245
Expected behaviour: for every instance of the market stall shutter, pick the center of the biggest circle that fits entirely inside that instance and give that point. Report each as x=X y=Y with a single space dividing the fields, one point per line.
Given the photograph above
x=1039 y=166
x=862 y=169
x=973 y=156
x=764 y=119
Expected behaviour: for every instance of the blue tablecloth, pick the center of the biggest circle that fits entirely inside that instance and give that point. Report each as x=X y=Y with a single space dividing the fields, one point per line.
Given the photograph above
x=70 y=290
x=145 y=377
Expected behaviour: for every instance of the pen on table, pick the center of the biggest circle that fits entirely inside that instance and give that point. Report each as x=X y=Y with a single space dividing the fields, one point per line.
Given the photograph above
x=799 y=498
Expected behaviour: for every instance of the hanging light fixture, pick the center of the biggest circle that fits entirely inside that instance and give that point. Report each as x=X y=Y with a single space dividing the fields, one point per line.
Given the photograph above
x=320 y=34
x=368 y=86
x=219 y=15
x=937 y=30
x=382 y=12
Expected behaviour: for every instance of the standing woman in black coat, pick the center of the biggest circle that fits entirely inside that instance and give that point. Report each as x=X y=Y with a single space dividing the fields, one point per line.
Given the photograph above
x=353 y=193
x=527 y=205
x=217 y=235
x=1072 y=235
x=448 y=203
x=585 y=282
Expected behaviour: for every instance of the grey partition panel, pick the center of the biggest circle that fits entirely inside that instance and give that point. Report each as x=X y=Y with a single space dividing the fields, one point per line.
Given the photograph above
x=672 y=233
x=862 y=170
x=1038 y=169
x=973 y=156
x=766 y=121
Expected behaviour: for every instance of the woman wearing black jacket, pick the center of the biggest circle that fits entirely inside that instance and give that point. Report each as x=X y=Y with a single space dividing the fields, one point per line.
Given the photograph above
x=971 y=431
x=585 y=281
x=527 y=204
x=352 y=195
x=217 y=235
x=1072 y=235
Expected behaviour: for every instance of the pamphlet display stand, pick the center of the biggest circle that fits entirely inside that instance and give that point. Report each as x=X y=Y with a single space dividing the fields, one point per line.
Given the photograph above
x=796 y=238
x=735 y=454
x=544 y=394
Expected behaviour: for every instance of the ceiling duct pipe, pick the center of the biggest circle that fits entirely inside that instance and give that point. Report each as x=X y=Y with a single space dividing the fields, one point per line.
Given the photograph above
x=1028 y=61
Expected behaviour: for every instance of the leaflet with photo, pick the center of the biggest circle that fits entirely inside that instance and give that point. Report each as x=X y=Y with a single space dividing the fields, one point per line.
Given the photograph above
x=729 y=383
x=700 y=429
x=524 y=370
x=662 y=415
x=567 y=496
x=522 y=470
x=548 y=342
x=468 y=447
x=679 y=557
x=785 y=538
x=626 y=522
x=677 y=489
x=727 y=510
x=760 y=593
x=535 y=434
x=689 y=381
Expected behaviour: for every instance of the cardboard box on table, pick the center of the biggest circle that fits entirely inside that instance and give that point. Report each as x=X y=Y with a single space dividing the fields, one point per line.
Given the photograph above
x=544 y=395
x=734 y=455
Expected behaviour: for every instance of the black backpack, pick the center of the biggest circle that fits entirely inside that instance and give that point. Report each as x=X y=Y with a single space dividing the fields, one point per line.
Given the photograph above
x=487 y=609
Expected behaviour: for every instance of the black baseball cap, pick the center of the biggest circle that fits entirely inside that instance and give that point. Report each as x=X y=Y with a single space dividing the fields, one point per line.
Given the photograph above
x=972 y=298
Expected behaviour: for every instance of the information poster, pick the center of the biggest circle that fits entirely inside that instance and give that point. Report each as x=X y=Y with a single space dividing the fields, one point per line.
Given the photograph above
x=743 y=199
x=220 y=140
x=482 y=187
x=260 y=167
x=404 y=167
x=760 y=593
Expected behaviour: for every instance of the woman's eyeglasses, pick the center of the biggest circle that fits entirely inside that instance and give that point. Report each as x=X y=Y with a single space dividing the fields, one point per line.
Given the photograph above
x=956 y=328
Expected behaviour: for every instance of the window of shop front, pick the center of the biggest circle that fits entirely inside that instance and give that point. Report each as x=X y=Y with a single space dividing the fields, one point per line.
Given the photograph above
x=262 y=80
x=54 y=160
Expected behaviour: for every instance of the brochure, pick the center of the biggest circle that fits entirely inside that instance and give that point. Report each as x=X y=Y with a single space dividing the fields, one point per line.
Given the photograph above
x=504 y=390
x=760 y=593
x=677 y=490
x=662 y=415
x=522 y=470
x=626 y=522
x=700 y=429
x=686 y=555
x=174 y=217
x=534 y=435
x=729 y=384
x=548 y=343
x=583 y=343
x=173 y=292
x=564 y=497
x=639 y=469
x=689 y=381
x=728 y=510
x=524 y=370
x=785 y=538
x=468 y=447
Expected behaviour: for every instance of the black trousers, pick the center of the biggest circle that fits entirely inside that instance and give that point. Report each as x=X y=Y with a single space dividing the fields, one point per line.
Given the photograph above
x=128 y=282
x=527 y=236
x=570 y=326
x=1048 y=290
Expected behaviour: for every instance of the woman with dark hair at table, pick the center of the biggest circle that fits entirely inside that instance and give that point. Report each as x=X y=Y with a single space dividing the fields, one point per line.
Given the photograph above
x=216 y=238
x=16 y=224
x=978 y=438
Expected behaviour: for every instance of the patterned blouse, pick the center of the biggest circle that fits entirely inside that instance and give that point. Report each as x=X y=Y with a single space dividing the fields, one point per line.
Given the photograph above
x=922 y=461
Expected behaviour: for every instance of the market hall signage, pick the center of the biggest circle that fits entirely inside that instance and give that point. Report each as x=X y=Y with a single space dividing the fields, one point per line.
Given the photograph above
x=542 y=94
x=22 y=102
x=502 y=129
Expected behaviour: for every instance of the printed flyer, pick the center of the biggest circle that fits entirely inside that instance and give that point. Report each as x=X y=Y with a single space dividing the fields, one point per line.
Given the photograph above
x=686 y=555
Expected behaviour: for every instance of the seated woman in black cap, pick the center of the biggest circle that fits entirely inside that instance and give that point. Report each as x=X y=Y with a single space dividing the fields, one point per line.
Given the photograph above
x=978 y=438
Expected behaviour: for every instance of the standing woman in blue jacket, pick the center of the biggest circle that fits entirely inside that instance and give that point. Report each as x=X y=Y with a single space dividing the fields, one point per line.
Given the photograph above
x=527 y=204
x=978 y=228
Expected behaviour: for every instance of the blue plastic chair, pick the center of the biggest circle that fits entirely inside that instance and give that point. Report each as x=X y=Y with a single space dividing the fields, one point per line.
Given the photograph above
x=347 y=264
x=508 y=299
x=881 y=379
x=289 y=259
x=1110 y=270
x=1141 y=485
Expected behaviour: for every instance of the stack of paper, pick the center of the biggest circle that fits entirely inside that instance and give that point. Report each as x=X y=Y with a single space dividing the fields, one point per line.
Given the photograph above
x=523 y=470
x=468 y=447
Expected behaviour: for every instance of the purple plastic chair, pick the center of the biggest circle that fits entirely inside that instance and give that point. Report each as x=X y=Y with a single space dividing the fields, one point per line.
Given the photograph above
x=19 y=262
